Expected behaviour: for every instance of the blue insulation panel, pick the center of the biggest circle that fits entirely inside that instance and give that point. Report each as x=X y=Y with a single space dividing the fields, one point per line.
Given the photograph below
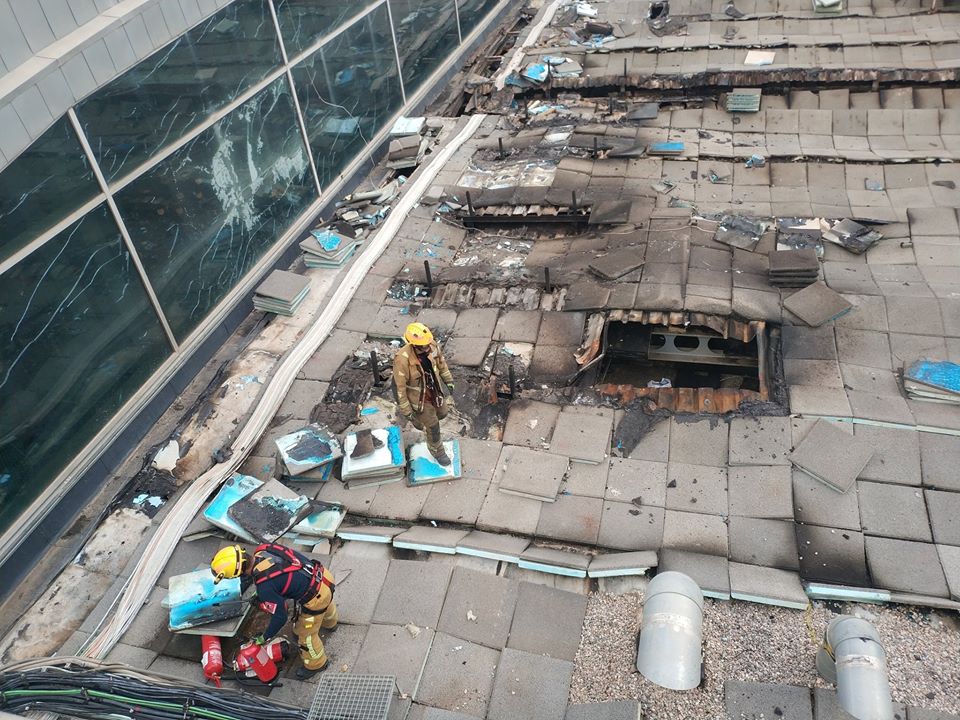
x=196 y=600
x=231 y=492
x=424 y=469
x=944 y=375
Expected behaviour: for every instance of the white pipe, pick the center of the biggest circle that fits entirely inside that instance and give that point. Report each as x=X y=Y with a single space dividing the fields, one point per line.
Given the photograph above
x=158 y=550
x=669 y=650
x=853 y=657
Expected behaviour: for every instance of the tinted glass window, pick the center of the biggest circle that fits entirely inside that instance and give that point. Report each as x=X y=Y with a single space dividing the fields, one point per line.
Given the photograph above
x=348 y=91
x=472 y=12
x=304 y=22
x=176 y=88
x=426 y=36
x=79 y=339
x=42 y=186
x=205 y=215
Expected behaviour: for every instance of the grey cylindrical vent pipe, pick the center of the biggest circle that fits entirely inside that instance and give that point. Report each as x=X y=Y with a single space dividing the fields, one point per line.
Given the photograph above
x=669 y=652
x=853 y=658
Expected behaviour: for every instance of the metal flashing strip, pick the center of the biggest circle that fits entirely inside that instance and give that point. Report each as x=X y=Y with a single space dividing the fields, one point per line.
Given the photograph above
x=551 y=569
x=488 y=555
x=421 y=547
x=619 y=572
x=364 y=537
x=880 y=423
x=767 y=600
x=825 y=591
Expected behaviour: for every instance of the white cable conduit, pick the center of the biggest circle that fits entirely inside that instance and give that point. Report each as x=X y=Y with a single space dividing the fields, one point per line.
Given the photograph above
x=158 y=550
x=532 y=36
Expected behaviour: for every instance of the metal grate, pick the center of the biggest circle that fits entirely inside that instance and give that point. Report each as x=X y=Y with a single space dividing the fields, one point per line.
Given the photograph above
x=352 y=697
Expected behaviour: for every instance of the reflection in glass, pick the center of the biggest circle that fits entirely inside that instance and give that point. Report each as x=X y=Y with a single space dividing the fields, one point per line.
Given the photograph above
x=348 y=90
x=42 y=186
x=303 y=22
x=79 y=338
x=176 y=88
x=426 y=35
x=206 y=214
x=472 y=12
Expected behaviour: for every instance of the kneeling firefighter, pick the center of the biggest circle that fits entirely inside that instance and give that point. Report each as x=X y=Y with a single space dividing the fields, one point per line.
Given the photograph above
x=280 y=574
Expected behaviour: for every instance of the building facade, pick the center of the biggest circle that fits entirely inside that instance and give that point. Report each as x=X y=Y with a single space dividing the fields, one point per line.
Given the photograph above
x=138 y=207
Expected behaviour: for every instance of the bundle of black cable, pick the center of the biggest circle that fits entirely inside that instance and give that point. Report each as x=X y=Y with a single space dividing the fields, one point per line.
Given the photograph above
x=82 y=688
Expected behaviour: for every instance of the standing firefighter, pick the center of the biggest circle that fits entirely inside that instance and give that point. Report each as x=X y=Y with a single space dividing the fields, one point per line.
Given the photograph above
x=280 y=574
x=423 y=384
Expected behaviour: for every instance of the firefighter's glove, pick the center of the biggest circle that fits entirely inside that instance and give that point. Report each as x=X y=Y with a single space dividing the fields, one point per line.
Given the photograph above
x=259 y=640
x=450 y=387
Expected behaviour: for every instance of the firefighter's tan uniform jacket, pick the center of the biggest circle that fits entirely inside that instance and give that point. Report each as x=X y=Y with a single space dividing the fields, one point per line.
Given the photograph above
x=409 y=381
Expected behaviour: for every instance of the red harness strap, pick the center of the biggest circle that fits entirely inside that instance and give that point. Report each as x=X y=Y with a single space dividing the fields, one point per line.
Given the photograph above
x=290 y=564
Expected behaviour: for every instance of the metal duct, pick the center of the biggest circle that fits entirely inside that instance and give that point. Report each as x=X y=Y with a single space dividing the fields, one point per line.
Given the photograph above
x=853 y=658
x=669 y=652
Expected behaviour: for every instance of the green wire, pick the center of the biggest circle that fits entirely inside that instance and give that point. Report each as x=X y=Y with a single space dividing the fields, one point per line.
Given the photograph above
x=156 y=704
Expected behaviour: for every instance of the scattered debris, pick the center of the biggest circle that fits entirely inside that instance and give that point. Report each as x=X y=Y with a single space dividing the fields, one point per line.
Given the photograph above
x=384 y=465
x=325 y=248
x=643 y=111
x=833 y=7
x=167 y=457
x=730 y=10
x=412 y=630
x=759 y=57
x=269 y=511
x=664 y=186
x=933 y=381
x=195 y=598
x=832 y=456
x=281 y=293
x=308 y=448
x=741 y=232
x=617 y=263
x=585 y=9
x=323 y=521
x=799 y=234
x=756 y=161
x=744 y=100
x=666 y=148
x=406 y=152
x=817 y=304
x=424 y=469
x=853 y=236
x=793 y=268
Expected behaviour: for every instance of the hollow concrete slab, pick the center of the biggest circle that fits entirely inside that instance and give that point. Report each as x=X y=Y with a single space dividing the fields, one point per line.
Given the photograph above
x=530 y=686
x=547 y=621
x=458 y=675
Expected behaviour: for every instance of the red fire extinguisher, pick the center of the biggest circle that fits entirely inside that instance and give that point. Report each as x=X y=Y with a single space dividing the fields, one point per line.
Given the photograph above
x=261 y=661
x=212 y=659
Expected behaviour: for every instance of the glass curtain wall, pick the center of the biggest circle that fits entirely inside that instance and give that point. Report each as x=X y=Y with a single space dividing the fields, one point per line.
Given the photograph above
x=201 y=148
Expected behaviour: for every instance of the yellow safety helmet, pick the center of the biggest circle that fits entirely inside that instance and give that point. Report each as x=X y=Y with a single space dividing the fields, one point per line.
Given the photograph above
x=228 y=563
x=418 y=334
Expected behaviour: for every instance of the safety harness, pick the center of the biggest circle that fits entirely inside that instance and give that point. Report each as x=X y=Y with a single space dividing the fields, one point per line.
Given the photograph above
x=288 y=563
